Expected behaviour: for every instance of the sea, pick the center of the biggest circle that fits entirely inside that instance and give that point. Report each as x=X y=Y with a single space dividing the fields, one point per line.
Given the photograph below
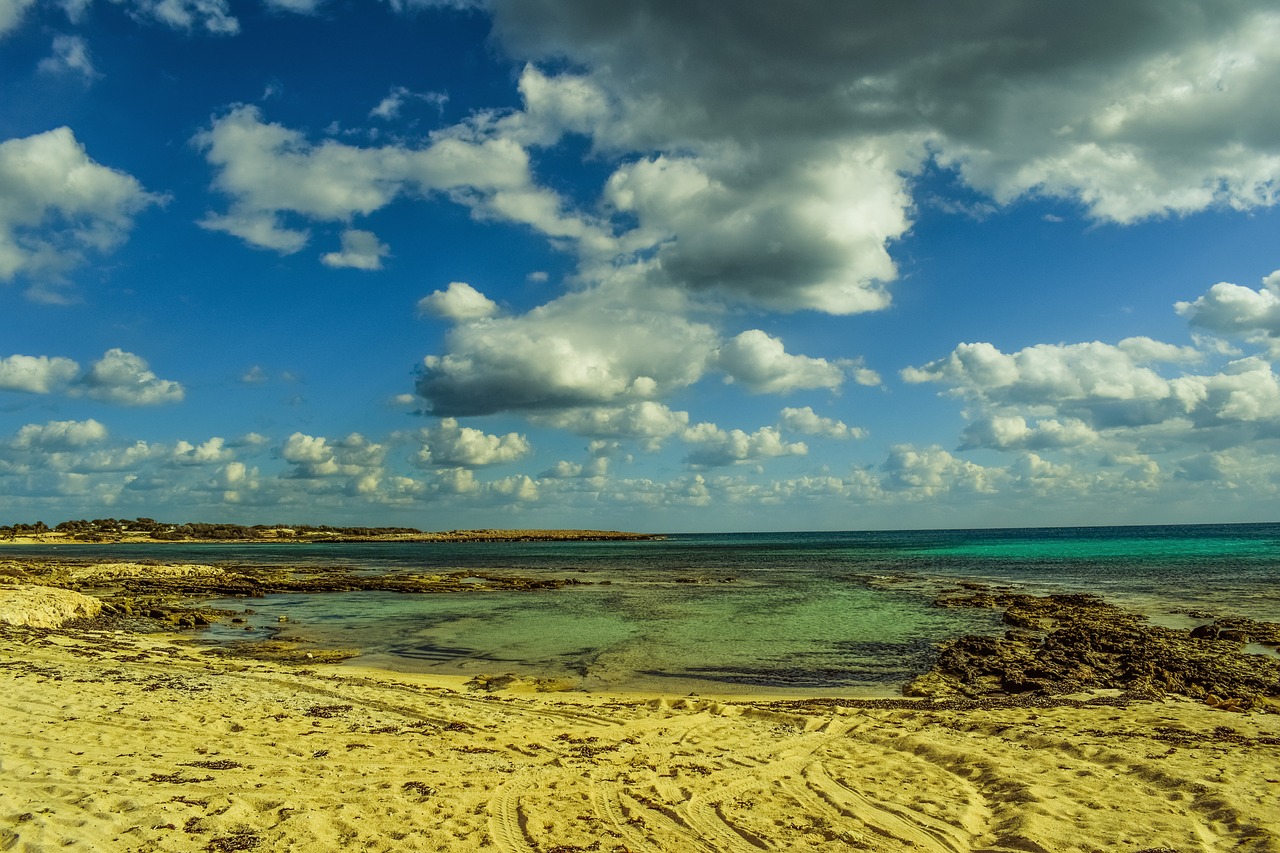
x=842 y=614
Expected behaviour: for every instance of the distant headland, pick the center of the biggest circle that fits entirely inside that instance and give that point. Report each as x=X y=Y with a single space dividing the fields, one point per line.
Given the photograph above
x=148 y=530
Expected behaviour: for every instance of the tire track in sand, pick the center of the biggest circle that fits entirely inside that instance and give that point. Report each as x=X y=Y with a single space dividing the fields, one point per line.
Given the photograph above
x=507 y=821
x=923 y=833
x=609 y=803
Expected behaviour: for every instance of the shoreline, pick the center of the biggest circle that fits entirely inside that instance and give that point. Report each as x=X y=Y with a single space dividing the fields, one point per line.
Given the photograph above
x=126 y=742
x=1053 y=645
x=288 y=536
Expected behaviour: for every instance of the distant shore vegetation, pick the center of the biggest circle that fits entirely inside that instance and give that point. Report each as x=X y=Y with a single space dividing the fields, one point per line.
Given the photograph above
x=150 y=530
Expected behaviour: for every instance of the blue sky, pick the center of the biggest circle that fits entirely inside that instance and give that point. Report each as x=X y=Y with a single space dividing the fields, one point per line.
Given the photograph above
x=649 y=265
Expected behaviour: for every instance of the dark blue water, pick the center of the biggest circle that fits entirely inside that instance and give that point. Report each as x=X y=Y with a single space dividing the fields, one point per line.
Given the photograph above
x=788 y=612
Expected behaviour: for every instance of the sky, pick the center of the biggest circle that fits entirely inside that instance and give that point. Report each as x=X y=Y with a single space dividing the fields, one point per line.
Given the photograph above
x=646 y=265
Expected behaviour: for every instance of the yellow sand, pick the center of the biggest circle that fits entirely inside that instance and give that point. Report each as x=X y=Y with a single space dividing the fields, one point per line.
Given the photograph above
x=116 y=742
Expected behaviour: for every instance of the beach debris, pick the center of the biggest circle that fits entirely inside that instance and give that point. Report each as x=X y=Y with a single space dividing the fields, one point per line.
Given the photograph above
x=240 y=840
x=220 y=764
x=421 y=789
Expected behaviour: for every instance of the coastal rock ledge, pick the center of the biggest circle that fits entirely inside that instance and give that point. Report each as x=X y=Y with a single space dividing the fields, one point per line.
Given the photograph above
x=45 y=606
x=1062 y=644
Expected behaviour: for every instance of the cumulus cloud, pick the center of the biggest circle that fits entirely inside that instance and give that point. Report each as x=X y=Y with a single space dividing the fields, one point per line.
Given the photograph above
x=1073 y=396
x=70 y=56
x=774 y=157
x=1104 y=385
x=209 y=452
x=354 y=459
x=118 y=377
x=272 y=172
x=1013 y=432
x=361 y=250
x=450 y=444
x=519 y=488
x=592 y=348
x=60 y=435
x=645 y=420
x=713 y=447
x=460 y=302
x=806 y=420
x=784 y=236
x=931 y=471
x=126 y=379
x=58 y=205
x=36 y=374
x=1236 y=311
x=762 y=365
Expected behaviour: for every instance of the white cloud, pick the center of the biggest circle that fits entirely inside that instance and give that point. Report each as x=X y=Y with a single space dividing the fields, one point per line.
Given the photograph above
x=11 y=12
x=389 y=107
x=361 y=250
x=714 y=447
x=58 y=205
x=60 y=435
x=1168 y=125
x=770 y=163
x=406 y=6
x=299 y=7
x=805 y=420
x=124 y=378
x=553 y=106
x=213 y=16
x=206 y=453
x=1010 y=432
x=460 y=302
x=646 y=420
x=458 y=446
x=70 y=56
x=1139 y=393
x=1104 y=385
x=457 y=481
x=1232 y=310
x=519 y=488
x=592 y=348
x=271 y=171
x=930 y=472
x=254 y=375
x=762 y=365
x=36 y=374
x=355 y=460
x=783 y=235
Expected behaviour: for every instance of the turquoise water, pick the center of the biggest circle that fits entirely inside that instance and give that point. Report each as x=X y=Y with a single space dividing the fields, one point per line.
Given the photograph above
x=835 y=613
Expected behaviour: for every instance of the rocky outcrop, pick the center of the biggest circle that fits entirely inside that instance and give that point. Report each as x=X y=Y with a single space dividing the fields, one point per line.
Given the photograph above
x=1061 y=644
x=45 y=607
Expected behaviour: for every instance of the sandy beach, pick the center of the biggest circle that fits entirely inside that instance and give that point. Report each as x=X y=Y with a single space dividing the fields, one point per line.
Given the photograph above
x=116 y=741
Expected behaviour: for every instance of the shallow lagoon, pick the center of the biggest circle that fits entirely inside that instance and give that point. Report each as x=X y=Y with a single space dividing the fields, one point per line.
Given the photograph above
x=830 y=612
